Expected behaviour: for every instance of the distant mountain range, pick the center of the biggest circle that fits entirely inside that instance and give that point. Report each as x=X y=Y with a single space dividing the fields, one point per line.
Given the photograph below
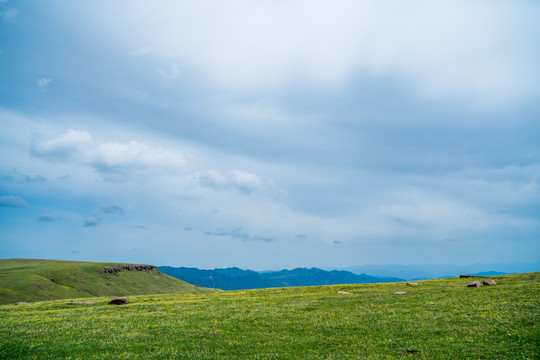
x=238 y=279
x=421 y=272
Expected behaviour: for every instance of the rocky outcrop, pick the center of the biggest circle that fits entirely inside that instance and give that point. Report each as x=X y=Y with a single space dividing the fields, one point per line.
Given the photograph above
x=486 y=282
x=117 y=269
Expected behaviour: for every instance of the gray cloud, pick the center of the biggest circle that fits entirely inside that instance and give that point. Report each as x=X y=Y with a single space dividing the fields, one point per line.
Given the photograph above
x=112 y=209
x=13 y=201
x=239 y=234
x=242 y=182
x=14 y=176
x=47 y=218
x=92 y=221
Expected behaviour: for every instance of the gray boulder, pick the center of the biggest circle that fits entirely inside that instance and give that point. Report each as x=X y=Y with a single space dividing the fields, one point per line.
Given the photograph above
x=488 y=282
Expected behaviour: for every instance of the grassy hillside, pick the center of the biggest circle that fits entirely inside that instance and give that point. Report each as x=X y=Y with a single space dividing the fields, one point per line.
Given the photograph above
x=36 y=280
x=437 y=319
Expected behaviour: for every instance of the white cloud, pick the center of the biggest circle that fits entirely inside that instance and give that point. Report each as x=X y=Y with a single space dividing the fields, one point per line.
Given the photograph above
x=123 y=158
x=63 y=146
x=113 y=160
x=43 y=84
x=245 y=182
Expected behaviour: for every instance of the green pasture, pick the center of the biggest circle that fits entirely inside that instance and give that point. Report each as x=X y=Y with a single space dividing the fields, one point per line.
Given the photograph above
x=437 y=319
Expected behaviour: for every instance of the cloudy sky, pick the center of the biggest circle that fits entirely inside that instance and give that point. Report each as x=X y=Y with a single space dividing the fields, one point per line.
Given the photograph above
x=270 y=134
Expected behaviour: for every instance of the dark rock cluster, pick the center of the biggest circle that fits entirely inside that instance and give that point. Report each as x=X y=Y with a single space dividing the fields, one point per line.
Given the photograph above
x=116 y=269
x=111 y=270
x=119 y=301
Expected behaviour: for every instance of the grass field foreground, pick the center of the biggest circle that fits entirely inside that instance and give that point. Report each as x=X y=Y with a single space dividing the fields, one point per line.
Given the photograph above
x=437 y=319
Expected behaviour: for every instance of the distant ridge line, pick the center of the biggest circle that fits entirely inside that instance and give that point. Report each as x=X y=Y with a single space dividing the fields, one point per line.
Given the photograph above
x=238 y=279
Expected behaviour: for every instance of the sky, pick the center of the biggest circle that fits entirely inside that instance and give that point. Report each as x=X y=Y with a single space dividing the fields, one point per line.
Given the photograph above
x=270 y=134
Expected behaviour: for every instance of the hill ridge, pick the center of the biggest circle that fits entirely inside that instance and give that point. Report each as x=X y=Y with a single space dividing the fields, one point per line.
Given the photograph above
x=234 y=278
x=37 y=280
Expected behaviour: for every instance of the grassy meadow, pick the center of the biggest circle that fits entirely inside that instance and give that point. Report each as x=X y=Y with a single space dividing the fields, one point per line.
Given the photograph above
x=437 y=319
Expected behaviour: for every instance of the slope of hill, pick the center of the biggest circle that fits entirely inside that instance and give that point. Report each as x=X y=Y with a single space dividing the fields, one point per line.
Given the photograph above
x=37 y=280
x=436 y=319
x=238 y=279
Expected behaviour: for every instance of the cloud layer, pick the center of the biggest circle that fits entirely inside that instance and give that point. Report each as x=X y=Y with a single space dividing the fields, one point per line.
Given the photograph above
x=270 y=134
x=485 y=60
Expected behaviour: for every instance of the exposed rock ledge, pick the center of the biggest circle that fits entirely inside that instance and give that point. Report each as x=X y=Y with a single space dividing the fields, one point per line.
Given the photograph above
x=116 y=269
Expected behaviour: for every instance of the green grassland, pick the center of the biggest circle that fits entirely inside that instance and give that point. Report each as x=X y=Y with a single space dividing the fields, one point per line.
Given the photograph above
x=438 y=319
x=30 y=280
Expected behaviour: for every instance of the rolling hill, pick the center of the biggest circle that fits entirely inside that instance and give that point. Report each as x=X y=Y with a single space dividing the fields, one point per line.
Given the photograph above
x=36 y=280
x=238 y=279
